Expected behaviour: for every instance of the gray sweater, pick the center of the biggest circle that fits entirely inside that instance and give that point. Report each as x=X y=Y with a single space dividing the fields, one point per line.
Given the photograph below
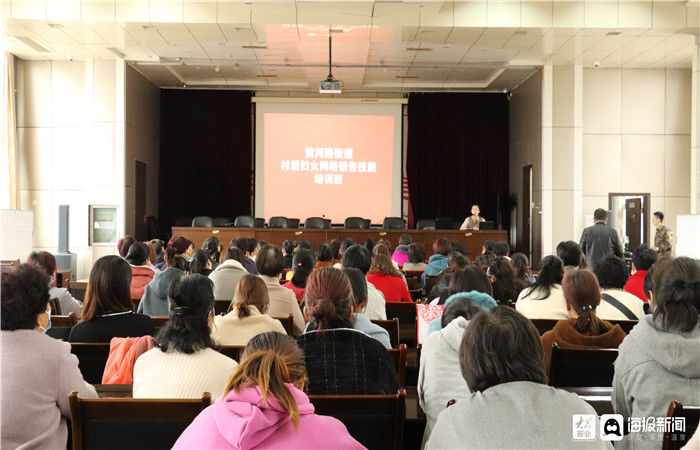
x=519 y=414
x=155 y=296
x=653 y=368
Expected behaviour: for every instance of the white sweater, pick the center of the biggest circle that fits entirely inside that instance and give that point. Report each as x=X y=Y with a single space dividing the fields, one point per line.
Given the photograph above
x=533 y=306
x=606 y=311
x=230 y=330
x=159 y=374
x=376 y=305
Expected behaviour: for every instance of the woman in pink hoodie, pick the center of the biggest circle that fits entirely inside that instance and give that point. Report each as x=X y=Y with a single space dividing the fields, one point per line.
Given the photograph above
x=265 y=406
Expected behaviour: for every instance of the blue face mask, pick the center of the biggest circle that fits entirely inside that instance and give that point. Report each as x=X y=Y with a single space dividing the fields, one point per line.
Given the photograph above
x=48 y=324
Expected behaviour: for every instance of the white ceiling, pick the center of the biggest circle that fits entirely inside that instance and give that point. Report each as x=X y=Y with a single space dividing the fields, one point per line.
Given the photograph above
x=377 y=46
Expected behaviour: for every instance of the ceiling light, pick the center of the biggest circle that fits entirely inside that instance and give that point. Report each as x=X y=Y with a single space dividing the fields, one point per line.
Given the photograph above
x=117 y=53
x=406 y=77
x=55 y=25
x=419 y=49
x=335 y=30
x=521 y=32
x=217 y=69
x=613 y=33
x=265 y=75
x=255 y=47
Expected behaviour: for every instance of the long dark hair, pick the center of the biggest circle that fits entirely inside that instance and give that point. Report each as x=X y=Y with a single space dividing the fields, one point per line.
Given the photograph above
x=302 y=264
x=199 y=261
x=551 y=273
x=212 y=245
x=109 y=288
x=521 y=265
x=137 y=254
x=506 y=285
x=173 y=260
x=191 y=300
x=677 y=294
x=472 y=278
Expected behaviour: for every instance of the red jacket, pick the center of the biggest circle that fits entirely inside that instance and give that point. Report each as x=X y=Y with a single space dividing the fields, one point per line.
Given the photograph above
x=298 y=292
x=635 y=284
x=140 y=277
x=393 y=288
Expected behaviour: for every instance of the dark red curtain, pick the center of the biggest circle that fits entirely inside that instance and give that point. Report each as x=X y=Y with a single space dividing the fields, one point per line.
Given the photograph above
x=205 y=154
x=458 y=155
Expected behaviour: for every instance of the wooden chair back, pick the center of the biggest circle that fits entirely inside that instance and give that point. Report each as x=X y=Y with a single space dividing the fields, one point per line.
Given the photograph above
x=9 y=263
x=691 y=415
x=376 y=421
x=413 y=273
x=61 y=326
x=287 y=323
x=232 y=351
x=398 y=357
x=404 y=311
x=392 y=327
x=117 y=423
x=159 y=321
x=64 y=321
x=430 y=281
x=55 y=307
x=92 y=359
x=544 y=325
x=576 y=367
x=598 y=397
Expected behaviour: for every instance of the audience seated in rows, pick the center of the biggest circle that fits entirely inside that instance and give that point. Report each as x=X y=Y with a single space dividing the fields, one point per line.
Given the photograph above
x=439 y=377
x=47 y=263
x=159 y=263
x=227 y=274
x=288 y=252
x=510 y=405
x=382 y=248
x=642 y=260
x=521 y=263
x=570 y=254
x=505 y=282
x=400 y=255
x=334 y=244
x=545 y=299
x=339 y=359
x=38 y=371
x=616 y=303
x=357 y=256
x=358 y=282
x=213 y=247
x=264 y=405
x=200 y=263
x=152 y=255
x=107 y=310
x=183 y=247
x=155 y=295
x=584 y=330
x=385 y=277
x=416 y=258
x=244 y=244
x=659 y=360
x=183 y=363
x=487 y=254
x=141 y=272
x=438 y=261
x=483 y=299
x=502 y=250
x=324 y=256
x=283 y=301
x=247 y=314
x=124 y=244
x=303 y=265
x=471 y=278
x=346 y=244
x=455 y=262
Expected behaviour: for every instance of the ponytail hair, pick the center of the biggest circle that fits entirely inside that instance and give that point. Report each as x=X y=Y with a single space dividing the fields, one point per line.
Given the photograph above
x=178 y=262
x=250 y=291
x=582 y=292
x=271 y=361
x=677 y=294
x=329 y=299
x=303 y=264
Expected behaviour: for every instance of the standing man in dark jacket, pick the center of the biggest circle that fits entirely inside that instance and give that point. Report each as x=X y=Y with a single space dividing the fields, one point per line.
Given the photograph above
x=600 y=240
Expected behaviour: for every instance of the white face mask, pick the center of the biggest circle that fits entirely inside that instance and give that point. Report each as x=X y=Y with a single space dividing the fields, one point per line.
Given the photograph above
x=48 y=324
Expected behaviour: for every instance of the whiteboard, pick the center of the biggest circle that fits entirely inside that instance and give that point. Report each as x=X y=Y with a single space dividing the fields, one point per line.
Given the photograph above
x=688 y=235
x=16 y=237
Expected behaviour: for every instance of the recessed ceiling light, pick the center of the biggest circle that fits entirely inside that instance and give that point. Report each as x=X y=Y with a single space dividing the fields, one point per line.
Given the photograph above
x=55 y=25
x=257 y=47
x=267 y=75
x=117 y=53
x=217 y=69
x=335 y=30
x=520 y=32
x=419 y=49
x=613 y=33
x=405 y=77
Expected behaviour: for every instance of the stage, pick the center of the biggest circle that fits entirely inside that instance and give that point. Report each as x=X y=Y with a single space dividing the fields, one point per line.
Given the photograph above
x=472 y=239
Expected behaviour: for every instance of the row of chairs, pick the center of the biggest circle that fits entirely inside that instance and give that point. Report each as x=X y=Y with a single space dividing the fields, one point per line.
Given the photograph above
x=359 y=223
x=92 y=358
x=376 y=421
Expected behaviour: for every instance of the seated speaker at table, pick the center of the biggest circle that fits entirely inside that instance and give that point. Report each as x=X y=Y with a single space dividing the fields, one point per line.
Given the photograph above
x=472 y=222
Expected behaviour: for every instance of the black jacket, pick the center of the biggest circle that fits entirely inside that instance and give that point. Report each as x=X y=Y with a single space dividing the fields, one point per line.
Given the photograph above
x=343 y=361
x=103 y=329
x=599 y=241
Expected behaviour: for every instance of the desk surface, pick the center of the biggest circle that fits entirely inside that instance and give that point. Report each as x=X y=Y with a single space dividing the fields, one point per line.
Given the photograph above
x=472 y=239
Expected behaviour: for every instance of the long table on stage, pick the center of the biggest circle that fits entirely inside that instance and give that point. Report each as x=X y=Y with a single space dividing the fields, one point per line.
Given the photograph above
x=472 y=239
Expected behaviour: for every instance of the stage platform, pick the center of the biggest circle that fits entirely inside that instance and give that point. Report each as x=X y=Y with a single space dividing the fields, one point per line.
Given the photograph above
x=472 y=239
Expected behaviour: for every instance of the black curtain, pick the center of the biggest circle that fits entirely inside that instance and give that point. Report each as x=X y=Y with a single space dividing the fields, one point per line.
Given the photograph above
x=205 y=154
x=458 y=155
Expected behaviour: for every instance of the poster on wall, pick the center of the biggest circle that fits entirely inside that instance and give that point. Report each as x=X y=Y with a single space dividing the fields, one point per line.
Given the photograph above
x=103 y=225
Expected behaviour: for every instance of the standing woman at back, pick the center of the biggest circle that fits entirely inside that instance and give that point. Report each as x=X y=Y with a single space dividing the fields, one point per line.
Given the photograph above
x=107 y=309
x=339 y=359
